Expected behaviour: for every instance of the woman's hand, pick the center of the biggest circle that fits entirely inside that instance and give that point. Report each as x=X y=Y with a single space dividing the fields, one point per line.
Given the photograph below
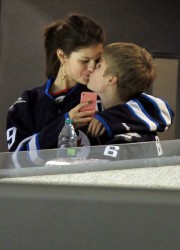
x=96 y=128
x=81 y=118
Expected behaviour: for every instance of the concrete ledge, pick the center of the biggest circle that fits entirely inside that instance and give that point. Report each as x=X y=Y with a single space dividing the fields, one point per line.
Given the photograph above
x=159 y=177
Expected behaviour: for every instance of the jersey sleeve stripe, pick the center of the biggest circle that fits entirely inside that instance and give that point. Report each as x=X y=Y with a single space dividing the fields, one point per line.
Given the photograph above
x=145 y=112
x=34 y=158
x=33 y=146
x=161 y=108
x=32 y=153
x=16 y=152
x=23 y=143
x=33 y=143
x=137 y=111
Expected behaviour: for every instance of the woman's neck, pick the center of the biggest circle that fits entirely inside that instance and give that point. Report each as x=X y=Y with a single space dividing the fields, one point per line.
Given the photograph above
x=61 y=83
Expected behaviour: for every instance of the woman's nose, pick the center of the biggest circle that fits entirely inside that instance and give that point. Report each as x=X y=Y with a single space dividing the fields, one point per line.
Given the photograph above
x=91 y=66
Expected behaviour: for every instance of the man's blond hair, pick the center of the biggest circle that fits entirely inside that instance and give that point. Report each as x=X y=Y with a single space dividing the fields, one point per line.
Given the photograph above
x=133 y=66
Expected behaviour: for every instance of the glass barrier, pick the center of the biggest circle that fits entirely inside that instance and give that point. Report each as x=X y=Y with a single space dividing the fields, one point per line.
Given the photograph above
x=90 y=159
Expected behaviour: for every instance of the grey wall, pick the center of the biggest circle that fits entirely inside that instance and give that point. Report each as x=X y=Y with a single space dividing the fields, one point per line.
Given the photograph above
x=152 y=24
x=76 y=217
x=166 y=85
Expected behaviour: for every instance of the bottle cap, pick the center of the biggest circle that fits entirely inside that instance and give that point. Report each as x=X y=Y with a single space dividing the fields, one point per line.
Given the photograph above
x=68 y=120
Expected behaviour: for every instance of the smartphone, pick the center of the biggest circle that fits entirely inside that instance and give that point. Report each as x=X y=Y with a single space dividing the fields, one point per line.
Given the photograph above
x=89 y=96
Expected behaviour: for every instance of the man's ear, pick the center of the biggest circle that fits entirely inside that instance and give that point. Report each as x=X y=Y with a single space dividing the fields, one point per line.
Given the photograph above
x=113 y=80
x=60 y=54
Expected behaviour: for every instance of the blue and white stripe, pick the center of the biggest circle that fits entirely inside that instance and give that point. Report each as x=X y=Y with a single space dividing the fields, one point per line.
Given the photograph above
x=137 y=110
x=162 y=109
x=32 y=147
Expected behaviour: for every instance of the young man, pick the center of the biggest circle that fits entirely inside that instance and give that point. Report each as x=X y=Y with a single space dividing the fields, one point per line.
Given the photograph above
x=120 y=79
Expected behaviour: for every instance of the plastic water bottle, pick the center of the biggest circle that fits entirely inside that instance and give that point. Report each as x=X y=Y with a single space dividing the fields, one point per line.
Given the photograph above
x=67 y=139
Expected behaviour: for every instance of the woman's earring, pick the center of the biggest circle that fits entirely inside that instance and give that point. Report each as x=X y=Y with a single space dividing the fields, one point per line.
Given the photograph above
x=63 y=75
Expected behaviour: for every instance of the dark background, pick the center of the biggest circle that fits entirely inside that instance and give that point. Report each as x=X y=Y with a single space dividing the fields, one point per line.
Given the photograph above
x=153 y=24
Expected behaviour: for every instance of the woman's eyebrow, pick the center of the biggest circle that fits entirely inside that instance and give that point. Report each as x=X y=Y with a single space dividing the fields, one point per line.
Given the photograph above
x=88 y=57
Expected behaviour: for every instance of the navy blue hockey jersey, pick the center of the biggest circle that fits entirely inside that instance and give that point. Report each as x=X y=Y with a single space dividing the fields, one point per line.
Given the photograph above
x=35 y=120
x=137 y=120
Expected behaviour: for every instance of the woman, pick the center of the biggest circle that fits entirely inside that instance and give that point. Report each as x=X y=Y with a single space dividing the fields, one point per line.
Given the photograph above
x=73 y=47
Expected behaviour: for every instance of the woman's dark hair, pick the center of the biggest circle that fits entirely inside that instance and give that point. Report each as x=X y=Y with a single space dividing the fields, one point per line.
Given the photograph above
x=72 y=34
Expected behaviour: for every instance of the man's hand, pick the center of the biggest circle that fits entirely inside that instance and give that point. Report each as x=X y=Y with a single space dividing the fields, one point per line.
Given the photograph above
x=96 y=128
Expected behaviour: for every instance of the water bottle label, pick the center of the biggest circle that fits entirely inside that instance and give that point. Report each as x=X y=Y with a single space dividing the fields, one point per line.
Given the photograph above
x=71 y=152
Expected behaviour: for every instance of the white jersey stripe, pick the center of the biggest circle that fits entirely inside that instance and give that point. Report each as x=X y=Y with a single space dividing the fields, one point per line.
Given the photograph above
x=32 y=143
x=133 y=106
x=162 y=109
x=33 y=154
x=16 y=152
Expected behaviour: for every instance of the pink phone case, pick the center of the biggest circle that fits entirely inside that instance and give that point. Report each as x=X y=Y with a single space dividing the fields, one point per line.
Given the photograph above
x=89 y=96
